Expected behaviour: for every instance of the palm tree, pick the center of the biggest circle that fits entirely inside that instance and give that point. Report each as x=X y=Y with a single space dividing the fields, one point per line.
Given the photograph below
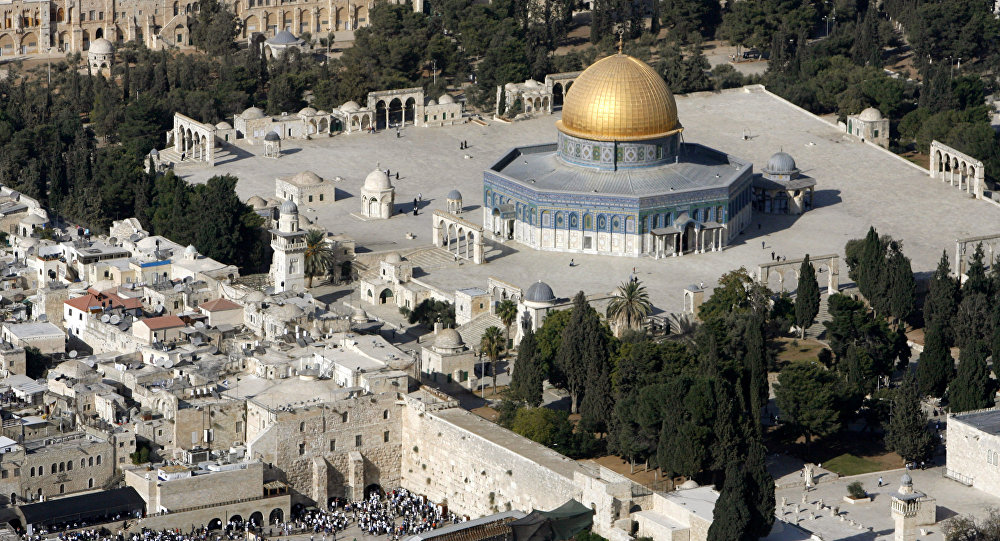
x=629 y=307
x=492 y=345
x=507 y=312
x=319 y=255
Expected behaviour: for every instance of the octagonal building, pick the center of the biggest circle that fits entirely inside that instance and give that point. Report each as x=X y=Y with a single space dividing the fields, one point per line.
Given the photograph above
x=620 y=179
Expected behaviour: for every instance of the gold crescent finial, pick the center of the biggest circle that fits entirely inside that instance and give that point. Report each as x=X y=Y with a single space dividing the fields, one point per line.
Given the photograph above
x=621 y=37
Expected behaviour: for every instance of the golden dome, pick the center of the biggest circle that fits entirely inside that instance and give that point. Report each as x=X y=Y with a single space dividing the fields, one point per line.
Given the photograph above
x=619 y=98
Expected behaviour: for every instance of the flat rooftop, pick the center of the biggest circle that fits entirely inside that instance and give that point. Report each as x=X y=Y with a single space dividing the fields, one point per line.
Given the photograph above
x=27 y=331
x=539 y=168
x=986 y=421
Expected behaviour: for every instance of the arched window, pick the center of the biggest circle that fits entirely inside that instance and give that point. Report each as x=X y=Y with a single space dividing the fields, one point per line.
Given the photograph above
x=98 y=460
x=385 y=414
x=90 y=461
x=302 y=427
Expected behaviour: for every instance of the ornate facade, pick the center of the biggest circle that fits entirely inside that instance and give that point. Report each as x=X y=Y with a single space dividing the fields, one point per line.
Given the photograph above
x=69 y=25
x=619 y=180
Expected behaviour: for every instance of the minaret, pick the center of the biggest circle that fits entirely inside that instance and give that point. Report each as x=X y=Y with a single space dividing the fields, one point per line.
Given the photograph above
x=289 y=245
x=905 y=507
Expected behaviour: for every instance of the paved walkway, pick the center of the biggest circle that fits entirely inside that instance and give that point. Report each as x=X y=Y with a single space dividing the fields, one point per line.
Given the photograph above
x=858 y=186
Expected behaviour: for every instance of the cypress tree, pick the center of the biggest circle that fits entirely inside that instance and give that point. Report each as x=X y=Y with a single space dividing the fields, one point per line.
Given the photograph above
x=942 y=301
x=731 y=518
x=598 y=400
x=760 y=486
x=972 y=388
x=907 y=432
x=571 y=360
x=935 y=368
x=902 y=288
x=526 y=381
x=976 y=280
x=807 y=297
x=755 y=363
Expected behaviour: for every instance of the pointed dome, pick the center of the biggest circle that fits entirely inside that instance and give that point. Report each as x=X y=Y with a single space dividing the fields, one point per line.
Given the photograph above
x=377 y=180
x=307 y=111
x=284 y=38
x=455 y=195
x=619 y=98
x=289 y=207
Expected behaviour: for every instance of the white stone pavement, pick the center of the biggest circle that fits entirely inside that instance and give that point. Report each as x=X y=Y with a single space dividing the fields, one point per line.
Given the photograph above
x=858 y=186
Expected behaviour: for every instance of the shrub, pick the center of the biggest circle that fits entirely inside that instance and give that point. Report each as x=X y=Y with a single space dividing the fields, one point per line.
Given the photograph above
x=856 y=491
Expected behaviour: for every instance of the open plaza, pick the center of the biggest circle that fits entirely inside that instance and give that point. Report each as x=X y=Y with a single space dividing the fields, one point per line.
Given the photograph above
x=858 y=185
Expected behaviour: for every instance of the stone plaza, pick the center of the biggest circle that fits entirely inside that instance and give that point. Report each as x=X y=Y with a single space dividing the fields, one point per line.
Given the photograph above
x=858 y=185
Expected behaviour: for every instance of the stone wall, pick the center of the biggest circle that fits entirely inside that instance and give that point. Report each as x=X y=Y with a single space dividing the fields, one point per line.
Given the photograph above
x=973 y=454
x=295 y=439
x=52 y=469
x=225 y=418
x=273 y=507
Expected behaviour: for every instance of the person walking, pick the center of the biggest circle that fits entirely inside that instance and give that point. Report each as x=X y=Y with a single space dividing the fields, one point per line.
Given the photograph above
x=414 y=207
x=762 y=245
x=772 y=255
x=880 y=481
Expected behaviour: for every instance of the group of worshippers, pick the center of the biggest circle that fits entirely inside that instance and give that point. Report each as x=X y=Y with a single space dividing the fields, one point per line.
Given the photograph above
x=399 y=514
x=146 y=534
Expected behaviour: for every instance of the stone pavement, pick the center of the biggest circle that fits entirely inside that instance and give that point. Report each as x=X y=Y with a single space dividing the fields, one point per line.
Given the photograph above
x=952 y=499
x=858 y=186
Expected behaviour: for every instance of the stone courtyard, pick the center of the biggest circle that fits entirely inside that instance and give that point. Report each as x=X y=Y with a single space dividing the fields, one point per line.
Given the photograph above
x=858 y=185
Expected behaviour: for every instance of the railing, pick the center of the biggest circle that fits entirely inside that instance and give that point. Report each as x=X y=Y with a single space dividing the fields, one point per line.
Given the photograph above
x=206 y=506
x=955 y=476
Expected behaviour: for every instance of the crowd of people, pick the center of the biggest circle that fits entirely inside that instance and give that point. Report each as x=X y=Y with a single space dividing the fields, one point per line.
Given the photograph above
x=399 y=513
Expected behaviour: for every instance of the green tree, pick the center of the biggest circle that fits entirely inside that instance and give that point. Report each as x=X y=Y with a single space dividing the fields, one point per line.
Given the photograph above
x=629 y=307
x=215 y=29
x=731 y=517
x=902 y=288
x=807 y=397
x=492 y=346
x=936 y=367
x=807 y=297
x=941 y=302
x=507 y=312
x=976 y=280
x=573 y=359
x=318 y=256
x=907 y=432
x=972 y=388
x=528 y=376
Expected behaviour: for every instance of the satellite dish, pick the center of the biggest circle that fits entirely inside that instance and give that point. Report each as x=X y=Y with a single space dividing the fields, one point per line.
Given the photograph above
x=105 y=318
x=115 y=319
x=73 y=354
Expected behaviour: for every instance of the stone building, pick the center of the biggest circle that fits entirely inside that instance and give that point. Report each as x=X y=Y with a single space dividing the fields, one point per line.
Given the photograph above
x=378 y=196
x=454 y=202
x=275 y=47
x=101 y=54
x=782 y=188
x=58 y=464
x=910 y=510
x=973 y=449
x=392 y=283
x=619 y=180
x=46 y=337
x=305 y=187
x=869 y=125
x=448 y=360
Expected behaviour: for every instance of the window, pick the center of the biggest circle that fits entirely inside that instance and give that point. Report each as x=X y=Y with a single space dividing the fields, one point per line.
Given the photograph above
x=385 y=414
x=62 y=489
x=83 y=462
x=357 y=440
x=3 y=474
x=302 y=449
x=343 y=417
x=53 y=468
x=69 y=465
x=90 y=483
x=98 y=460
x=333 y=445
x=385 y=437
x=320 y=197
x=17 y=472
x=90 y=461
x=302 y=427
x=310 y=199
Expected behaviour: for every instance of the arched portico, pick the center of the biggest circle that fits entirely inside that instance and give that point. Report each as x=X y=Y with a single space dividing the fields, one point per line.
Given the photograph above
x=831 y=263
x=957 y=169
x=461 y=238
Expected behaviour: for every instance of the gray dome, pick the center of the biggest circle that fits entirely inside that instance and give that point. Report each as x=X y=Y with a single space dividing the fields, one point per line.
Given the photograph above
x=223 y=126
x=284 y=38
x=393 y=258
x=448 y=339
x=906 y=480
x=257 y=202
x=289 y=208
x=455 y=195
x=539 y=292
x=272 y=136
x=252 y=113
x=779 y=163
x=870 y=114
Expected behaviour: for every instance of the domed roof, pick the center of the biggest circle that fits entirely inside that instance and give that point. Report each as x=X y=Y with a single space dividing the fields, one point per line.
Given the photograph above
x=780 y=163
x=284 y=38
x=870 y=114
x=190 y=250
x=307 y=178
x=454 y=195
x=539 y=292
x=619 y=98
x=255 y=296
x=393 y=258
x=223 y=126
x=272 y=136
x=252 y=113
x=308 y=111
x=287 y=311
x=431 y=102
x=689 y=484
x=448 y=339
x=906 y=480
x=257 y=202
x=350 y=107
x=289 y=207
x=446 y=99
x=101 y=46
x=531 y=83
x=377 y=180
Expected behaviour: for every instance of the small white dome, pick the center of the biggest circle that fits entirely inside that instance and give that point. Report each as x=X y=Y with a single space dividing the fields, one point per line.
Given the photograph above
x=689 y=484
x=350 y=107
x=446 y=99
x=257 y=202
x=252 y=113
x=190 y=250
x=223 y=126
x=307 y=178
x=448 y=339
x=307 y=111
x=377 y=180
x=431 y=103
x=870 y=114
x=393 y=258
x=531 y=83
x=101 y=46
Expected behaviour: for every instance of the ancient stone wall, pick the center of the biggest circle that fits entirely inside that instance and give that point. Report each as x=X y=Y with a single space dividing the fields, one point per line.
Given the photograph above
x=974 y=455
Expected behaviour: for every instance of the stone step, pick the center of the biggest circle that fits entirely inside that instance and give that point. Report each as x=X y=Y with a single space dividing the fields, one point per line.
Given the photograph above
x=432 y=258
x=472 y=332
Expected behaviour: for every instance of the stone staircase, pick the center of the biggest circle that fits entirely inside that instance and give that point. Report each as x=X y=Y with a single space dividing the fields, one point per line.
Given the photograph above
x=432 y=258
x=169 y=155
x=818 y=331
x=472 y=332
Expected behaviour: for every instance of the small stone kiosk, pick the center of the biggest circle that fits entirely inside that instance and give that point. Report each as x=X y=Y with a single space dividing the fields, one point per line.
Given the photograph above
x=911 y=509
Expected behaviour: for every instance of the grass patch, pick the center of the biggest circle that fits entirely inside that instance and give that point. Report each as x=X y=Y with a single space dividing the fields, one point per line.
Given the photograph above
x=848 y=464
x=791 y=350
